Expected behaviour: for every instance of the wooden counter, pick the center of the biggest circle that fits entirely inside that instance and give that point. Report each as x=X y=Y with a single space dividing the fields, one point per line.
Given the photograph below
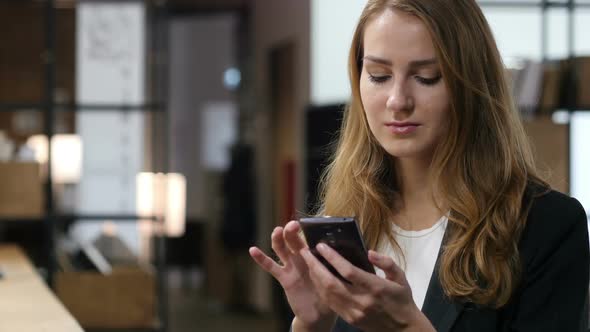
x=26 y=303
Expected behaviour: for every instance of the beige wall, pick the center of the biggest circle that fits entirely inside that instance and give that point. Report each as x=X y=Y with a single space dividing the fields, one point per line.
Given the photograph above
x=275 y=22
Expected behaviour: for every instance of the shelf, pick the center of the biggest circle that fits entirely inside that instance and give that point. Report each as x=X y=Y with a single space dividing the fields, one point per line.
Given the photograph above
x=528 y=4
x=156 y=326
x=151 y=329
x=541 y=111
x=109 y=217
x=72 y=107
x=151 y=107
x=21 y=106
x=118 y=218
x=20 y=220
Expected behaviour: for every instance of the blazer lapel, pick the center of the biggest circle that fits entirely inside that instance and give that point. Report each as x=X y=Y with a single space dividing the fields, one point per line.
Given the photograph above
x=440 y=310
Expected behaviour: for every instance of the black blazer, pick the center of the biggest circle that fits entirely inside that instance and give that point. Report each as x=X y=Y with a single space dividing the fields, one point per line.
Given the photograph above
x=553 y=292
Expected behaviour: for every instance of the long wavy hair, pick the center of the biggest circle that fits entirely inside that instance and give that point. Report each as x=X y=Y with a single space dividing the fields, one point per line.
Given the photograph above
x=481 y=169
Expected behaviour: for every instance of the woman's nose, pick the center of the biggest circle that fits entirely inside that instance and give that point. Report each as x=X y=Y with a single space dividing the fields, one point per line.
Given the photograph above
x=399 y=98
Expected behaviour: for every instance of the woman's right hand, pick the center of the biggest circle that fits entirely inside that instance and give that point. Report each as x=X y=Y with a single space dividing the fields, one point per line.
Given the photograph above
x=293 y=275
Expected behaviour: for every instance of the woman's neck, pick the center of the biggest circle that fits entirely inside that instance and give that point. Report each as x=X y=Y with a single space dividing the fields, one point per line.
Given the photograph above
x=418 y=209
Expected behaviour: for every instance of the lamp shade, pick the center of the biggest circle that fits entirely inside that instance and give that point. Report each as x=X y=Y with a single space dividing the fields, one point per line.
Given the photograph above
x=175 y=204
x=66 y=155
x=163 y=195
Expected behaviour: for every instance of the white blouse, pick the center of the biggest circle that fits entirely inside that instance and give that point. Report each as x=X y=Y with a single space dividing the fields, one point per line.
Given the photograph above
x=420 y=250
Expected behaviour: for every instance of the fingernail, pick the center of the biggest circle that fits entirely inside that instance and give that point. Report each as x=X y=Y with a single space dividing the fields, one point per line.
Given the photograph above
x=374 y=255
x=322 y=247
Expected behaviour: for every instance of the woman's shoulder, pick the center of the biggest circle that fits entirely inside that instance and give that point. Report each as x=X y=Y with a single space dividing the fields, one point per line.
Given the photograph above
x=553 y=219
x=552 y=209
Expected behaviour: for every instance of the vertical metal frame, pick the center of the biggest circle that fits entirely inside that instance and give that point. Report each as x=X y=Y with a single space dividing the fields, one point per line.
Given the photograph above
x=49 y=58
x=157 y=23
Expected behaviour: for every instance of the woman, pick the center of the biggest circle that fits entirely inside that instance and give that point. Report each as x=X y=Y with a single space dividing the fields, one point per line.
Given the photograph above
x=434 y=163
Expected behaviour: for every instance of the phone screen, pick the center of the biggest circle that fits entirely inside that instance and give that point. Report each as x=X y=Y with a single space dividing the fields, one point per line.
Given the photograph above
x=340 y=233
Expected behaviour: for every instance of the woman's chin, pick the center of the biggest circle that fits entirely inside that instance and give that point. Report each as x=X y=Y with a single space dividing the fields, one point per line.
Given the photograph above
x=405 y=152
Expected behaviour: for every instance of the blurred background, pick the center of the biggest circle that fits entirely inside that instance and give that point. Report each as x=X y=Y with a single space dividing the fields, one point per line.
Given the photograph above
x=146 y=144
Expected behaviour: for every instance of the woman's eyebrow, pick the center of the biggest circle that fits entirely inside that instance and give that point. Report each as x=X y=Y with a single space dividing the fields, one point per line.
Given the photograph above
x=423 y=63
x=412 y=64
x=377 y=60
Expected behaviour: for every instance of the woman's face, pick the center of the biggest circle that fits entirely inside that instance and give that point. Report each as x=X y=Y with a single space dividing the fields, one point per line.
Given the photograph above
x=403 y=94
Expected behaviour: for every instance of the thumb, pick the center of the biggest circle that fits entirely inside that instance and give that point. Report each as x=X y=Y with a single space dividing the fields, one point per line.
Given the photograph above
x=386 y=263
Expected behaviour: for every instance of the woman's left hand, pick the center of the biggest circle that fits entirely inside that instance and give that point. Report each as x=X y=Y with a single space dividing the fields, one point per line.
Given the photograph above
x=369 y=302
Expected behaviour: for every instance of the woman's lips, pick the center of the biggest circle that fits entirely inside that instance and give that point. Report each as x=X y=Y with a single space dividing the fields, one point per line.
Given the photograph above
x=402 y=128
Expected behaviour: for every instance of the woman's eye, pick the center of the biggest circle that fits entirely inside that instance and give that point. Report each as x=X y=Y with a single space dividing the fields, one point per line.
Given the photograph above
x=378 y=79
x=428 y=81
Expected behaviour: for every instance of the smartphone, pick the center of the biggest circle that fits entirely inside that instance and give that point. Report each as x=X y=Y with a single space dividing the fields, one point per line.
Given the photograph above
x=340 y=233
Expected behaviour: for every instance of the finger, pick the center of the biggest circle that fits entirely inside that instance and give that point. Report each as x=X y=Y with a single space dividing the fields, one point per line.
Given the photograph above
x=350 y=272
x=265 y=262
x=291 y=233
x=338 y=295
x=279 y=246
x=323 y=279
x=392 y=271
